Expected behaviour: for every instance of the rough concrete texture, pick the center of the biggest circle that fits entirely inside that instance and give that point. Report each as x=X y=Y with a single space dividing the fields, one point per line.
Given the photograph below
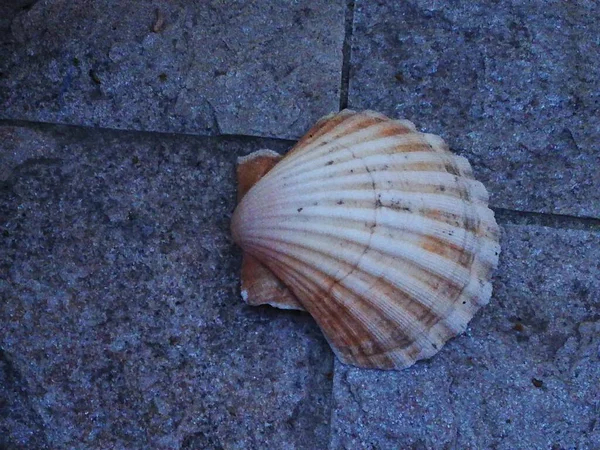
x=525 y=375
x=262 y=67
x=511 y=85
x=122 y=325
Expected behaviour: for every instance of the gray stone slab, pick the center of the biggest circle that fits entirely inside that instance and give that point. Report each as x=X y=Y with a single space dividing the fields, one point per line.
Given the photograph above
x=265 y=67
x=122 y=325
x=525 y=375
x=513 y=86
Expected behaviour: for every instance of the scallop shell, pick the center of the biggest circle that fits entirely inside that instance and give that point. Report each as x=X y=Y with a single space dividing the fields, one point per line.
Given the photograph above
x=375 y=229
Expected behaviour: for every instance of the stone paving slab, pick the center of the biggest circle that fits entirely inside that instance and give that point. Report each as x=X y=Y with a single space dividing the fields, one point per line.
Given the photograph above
x=513 y=86
x=122 y=325
x=525 y=375
x=263 y=67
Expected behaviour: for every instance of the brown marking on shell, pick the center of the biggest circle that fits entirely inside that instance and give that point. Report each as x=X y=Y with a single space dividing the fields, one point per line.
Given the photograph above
x=394 y=129
x=455 y=220
x=323 y=126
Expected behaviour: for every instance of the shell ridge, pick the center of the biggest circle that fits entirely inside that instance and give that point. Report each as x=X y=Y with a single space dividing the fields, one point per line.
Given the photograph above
x=385 y=245
x=314 y=156
x=320 y=128
x=415 y=337
x=440 y=229
x=408 y=181
x=362 y=323
x=361 y=319
x=383 y=248
x=427 y=265
x=321 y=257
x=401 y=202
x=352 y=127
x=305 y=146
x=412 y=234
x=397 y=161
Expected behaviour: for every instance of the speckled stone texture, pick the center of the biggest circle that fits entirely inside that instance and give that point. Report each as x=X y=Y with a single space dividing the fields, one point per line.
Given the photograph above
x=511 y=85
x=525 y=375
x=261 y=67
x=122 y=325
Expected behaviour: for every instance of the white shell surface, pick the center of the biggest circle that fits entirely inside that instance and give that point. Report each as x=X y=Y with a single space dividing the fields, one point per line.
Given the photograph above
x=380 y=232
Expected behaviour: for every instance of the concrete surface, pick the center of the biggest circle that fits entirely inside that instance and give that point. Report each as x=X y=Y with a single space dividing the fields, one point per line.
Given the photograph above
x=512 y=85
x=121 y=325
x=257 y=68
x=525 y=375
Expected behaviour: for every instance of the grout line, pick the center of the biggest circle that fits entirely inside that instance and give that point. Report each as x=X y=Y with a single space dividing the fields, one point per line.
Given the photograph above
x=47 y=125
x=561 y=221
x=346 y=53
x=332 y=405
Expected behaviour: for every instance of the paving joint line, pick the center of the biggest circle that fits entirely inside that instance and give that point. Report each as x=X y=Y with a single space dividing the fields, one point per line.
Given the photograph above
x=346 y=53
x=49 y=125
x=551 y=220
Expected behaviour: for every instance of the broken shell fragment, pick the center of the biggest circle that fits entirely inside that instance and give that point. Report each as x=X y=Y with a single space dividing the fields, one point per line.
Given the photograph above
x=375 y=229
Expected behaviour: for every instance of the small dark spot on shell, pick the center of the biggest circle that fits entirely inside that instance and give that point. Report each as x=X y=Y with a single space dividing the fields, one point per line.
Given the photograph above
x=399 y=77
x=135 y=160
x=329 y=163
x=442 y=188
x=537 y=383
x=76 y=62
x=162 y=77
x=340 y=202
x=300 y=209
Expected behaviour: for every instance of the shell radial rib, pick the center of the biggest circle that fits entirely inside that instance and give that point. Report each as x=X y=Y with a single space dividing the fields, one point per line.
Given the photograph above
x=375 y=229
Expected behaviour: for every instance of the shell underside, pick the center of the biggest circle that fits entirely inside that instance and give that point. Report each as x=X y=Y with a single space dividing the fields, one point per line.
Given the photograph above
x=375 y=229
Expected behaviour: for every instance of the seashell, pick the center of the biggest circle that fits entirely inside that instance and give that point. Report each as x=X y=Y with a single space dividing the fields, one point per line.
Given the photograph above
x=376 y=230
